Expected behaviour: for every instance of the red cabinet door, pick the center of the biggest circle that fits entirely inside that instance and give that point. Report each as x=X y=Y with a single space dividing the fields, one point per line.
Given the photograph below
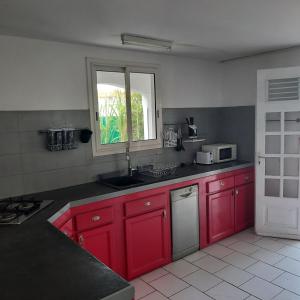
x=100 y=243
x=220 y=215
x=68 y=229
x=147 y=238
x=244 y=206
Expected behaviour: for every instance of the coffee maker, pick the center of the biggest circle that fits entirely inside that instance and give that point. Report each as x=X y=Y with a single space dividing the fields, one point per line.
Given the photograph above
x=192 y=128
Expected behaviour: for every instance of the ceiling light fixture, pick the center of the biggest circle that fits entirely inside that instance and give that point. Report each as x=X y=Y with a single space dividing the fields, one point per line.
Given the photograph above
x=143 y=41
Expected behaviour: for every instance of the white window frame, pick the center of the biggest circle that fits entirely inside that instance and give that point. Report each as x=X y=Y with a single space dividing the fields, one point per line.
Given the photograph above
x=94 y=65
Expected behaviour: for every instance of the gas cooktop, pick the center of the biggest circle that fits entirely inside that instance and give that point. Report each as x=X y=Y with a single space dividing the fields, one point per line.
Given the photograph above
x=18 y=209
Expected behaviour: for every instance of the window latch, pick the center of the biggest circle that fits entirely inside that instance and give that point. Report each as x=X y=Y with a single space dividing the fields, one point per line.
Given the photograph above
x=97 y=116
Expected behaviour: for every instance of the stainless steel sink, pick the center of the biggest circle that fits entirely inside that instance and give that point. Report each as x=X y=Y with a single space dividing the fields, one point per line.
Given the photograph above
x=122 y=182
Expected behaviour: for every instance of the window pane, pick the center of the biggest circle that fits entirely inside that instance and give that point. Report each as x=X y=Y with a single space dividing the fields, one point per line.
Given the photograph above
x=273 y=121
x=143 y=107
x=112 y=107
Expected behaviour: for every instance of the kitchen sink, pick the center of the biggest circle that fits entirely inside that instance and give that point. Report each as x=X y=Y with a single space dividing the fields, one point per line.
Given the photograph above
x=121 y=182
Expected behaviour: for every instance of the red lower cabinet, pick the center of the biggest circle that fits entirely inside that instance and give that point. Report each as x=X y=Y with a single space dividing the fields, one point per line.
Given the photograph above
x=220 y=215
x=147 y=242
x=244 y=206
x=100 y=243
x=68 y=229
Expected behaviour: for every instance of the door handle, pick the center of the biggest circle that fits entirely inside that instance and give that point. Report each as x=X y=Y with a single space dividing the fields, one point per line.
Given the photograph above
x=259 y=156
x=165 y=214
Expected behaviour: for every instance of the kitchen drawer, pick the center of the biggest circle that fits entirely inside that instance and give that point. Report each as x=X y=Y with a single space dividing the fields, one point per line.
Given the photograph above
x=144 y=205
x=94 y=218
x=220 y=185
x=244 y=178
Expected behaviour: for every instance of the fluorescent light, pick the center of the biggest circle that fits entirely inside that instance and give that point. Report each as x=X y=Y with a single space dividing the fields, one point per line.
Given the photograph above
x=143 y=41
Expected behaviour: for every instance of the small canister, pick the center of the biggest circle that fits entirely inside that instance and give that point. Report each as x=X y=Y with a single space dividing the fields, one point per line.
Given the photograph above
x=68 y=137
x=54 y=139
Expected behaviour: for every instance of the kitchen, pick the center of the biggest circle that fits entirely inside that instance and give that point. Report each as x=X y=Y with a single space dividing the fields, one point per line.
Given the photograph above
x=177 y=192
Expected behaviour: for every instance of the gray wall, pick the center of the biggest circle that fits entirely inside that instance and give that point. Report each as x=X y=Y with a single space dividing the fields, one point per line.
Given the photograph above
x=237 y=125
x=27 y=167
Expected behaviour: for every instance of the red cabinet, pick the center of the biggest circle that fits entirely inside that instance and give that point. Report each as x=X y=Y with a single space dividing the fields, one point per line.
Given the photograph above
x=220 y=185
x=220 y=215
x=244 y=206
x=230 y=203
x=94 y=218
x=100 y=243
x=147 y=242
x=145 y=204
x=68 y=230
x=132 y=233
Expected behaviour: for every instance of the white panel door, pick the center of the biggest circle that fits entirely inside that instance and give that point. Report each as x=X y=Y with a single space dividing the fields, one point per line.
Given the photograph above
x=278 y=152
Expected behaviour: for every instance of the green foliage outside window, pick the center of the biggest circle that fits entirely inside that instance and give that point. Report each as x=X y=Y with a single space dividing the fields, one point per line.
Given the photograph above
x=113 y=118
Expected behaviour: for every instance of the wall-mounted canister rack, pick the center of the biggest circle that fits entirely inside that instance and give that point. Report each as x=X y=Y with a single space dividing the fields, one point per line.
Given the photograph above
x=59 y=139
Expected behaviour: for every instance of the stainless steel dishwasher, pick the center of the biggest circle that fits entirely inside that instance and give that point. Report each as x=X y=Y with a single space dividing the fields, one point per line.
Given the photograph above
x=185 y=221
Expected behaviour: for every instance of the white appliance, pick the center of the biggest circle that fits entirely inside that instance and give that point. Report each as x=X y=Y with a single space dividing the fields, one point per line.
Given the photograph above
x=205 y=158
x=221 y=152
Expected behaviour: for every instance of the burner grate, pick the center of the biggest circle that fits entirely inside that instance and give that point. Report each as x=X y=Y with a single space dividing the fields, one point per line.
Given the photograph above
x=18 y=209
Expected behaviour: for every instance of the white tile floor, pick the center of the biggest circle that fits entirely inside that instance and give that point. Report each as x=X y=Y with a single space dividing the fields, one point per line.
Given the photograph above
x=244 y=266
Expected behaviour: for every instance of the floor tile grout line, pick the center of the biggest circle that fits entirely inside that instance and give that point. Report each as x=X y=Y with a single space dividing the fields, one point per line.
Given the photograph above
x=169 y=273
x=278 y=275
x=283 y=287
x=278 y=293
x=209 y=271
x=224 y=281
x=155 y=278
x=243 y=269
x=240 y=287
x=232 y=283
x=205 y=292
x=189 y=285
x=274 y=266
x=258 y=259
x=156 y=290
x=250 y=266
x=229 y=264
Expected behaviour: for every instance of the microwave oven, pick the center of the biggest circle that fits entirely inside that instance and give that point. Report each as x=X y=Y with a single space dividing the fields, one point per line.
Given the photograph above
x=221 y=152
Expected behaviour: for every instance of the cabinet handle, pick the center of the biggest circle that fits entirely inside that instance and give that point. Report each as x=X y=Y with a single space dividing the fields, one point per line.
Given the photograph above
x=222 y=183
x=96 y=218
x=236 y=191
x=81 y=240
x=164 y=214
x=186 y=195
x=147 y=203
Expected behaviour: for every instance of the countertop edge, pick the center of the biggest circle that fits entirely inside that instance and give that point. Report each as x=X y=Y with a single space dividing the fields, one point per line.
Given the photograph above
x=155 y=185
x=145 y=187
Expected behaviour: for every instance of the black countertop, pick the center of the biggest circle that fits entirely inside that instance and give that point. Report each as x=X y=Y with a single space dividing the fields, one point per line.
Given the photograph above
x=39 y=262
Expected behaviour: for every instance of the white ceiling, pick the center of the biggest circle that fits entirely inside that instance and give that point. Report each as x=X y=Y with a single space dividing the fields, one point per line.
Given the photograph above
x=213 y=29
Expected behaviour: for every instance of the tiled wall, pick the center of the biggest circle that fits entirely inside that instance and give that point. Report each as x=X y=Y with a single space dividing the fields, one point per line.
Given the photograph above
x=27 y=167
x=238 y=126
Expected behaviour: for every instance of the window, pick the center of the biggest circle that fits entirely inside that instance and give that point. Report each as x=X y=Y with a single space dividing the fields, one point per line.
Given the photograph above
x=125 y=110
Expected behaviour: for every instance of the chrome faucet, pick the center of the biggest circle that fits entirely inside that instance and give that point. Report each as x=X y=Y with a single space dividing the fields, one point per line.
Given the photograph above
x=128 y=158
